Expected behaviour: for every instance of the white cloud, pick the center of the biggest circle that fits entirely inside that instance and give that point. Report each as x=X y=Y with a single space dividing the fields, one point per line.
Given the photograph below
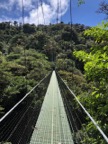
x=33 y=14
x=3 y=6
x=50 y=12
x=63 y=4
x=28 y=4
x=36 y=16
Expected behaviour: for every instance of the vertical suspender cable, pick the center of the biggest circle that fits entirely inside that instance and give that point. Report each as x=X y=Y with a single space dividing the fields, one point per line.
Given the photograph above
x=71 y=25
x=42 y=11
x=38 y=12
x=71 y=13
x=58 y=4
x=25 y=59
x=22 y=13
x=71 y=22
x=60 y=11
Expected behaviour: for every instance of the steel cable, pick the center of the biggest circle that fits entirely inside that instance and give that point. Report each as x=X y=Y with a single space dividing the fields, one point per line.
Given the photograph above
x=12 y=123
x=87 y=113
x=9 y=125
x=69 y=113
x=42 y=11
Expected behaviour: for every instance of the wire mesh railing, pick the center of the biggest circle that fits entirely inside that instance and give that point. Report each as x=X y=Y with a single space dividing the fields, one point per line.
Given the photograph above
x=85 y=129
x=17 y=125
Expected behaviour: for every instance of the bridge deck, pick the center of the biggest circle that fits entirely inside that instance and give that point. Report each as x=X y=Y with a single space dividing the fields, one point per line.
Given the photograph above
x=52 y=126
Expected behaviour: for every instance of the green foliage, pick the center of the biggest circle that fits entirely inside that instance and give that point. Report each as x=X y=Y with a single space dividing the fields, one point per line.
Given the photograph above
x=99 y=33
x=28 y=54
x=64 y=64
x=29 y=29
x=75 y=80
x=96 y=71
x=18 y=39
x=14 y=66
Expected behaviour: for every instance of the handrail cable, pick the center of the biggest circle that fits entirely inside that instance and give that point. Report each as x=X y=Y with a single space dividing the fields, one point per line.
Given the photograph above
x=11 y=124
x=69 y=113
x=91 y=118
x=1 y=119
x=67 y=109
x=81 y=124
x=22 y=119
x=24 y=113
x=19 y=121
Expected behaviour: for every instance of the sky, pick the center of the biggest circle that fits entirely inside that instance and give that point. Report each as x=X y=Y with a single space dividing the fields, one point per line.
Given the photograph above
x=34 y=13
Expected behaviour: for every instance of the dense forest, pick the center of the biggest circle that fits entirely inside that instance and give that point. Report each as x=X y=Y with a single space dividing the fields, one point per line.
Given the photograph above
x=79 y=54
x=33 y=51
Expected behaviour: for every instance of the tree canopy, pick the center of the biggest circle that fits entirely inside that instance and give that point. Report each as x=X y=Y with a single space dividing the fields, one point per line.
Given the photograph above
x=96 y=71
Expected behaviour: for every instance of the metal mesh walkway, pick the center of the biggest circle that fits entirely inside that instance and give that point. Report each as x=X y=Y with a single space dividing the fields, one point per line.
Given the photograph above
x=52 y=126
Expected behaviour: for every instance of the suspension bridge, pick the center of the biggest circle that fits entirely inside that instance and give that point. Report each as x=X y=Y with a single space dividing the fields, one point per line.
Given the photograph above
x=49 y=122
x=52 y=126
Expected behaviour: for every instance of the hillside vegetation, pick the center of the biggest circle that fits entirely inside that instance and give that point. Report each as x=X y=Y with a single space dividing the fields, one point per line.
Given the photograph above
x=80 y=55
x=30 y=52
